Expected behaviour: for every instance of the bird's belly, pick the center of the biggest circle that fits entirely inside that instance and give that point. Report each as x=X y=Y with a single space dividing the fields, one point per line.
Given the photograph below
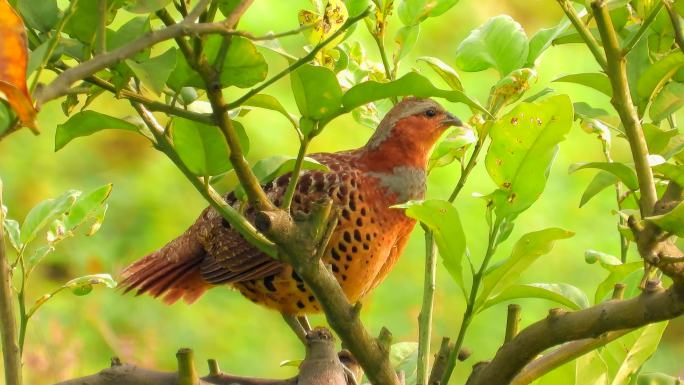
x=356 y=253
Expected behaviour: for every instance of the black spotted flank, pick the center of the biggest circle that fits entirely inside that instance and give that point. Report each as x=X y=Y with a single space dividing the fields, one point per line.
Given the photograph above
x=268 y=283
x=300 y=305
x=347 y=237
x=335 y=255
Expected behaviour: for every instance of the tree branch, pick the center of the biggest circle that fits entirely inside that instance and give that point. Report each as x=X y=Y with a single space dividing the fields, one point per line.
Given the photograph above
x=584 y=32
x=321 y=366
x=653 y=305
x=8 y=319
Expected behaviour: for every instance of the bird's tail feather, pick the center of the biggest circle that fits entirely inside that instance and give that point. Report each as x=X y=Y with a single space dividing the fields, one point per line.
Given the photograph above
x=172 y=272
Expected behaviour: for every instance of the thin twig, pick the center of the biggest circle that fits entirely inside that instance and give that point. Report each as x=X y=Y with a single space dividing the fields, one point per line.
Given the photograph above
x=584 y=32
x=292 y=184
x=426 y=310
x=676 y=24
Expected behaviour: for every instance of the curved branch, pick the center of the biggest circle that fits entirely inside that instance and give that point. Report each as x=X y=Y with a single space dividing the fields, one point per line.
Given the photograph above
x=653 y=305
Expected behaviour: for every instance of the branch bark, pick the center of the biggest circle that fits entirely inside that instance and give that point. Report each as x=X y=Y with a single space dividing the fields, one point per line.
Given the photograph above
x=653 y=305
x=321 y=366
x=8 y=320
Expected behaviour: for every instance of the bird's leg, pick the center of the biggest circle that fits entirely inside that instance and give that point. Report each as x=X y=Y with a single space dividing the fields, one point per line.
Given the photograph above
x=294 y=323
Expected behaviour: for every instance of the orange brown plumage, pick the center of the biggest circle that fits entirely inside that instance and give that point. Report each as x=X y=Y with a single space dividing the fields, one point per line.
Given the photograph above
x=369 y=238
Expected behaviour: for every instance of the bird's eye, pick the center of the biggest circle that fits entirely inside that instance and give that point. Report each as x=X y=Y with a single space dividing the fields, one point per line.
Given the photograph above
x=431 y=113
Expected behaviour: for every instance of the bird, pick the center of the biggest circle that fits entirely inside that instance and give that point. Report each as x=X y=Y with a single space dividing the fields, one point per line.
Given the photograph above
x=364 y=184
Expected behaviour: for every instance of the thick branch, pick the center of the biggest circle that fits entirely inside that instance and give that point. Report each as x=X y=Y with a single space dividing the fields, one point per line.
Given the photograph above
x=321 y=366
x=622 y=102
x=8 y=320
x=653 y=305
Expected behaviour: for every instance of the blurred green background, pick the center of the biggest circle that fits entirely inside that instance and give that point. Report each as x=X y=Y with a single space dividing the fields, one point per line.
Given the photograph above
x=152 y=203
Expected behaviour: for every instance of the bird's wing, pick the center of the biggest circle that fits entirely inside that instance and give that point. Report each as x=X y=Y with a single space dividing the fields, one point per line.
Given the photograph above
x=230 y=258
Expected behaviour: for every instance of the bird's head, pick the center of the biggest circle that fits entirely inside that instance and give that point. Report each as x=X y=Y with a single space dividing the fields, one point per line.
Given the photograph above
x=407 y=133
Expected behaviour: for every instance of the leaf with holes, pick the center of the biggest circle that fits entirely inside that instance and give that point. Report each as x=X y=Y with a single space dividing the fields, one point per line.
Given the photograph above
x=452 y=147
x=87 y=206
x=45 y=212
x=523 y=145
x=13 y=62
x=84 y=285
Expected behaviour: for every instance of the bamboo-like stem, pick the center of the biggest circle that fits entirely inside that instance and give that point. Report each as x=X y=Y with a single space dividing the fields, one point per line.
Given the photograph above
x=8 y=321
x=643 y=28
x=426 y=310
x=584 y=32
x=616 y=70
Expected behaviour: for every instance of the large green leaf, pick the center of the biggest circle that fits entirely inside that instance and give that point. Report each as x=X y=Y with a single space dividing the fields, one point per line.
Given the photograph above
x=626 y=355
x=44 y=213
x=242 y=67
x=154 y=72
x=442 y=218
x=620 y=170
x=406 y=39
x=601 y=181
x=561 y=293
x=316 y=91
x=82 y=25
x=672 y=222
x=668 y=101
x=411 y=84
x=524 y=144
x=655 y=77
x=41 y=16
x=543 y=39
x=412 y=12
x=528 y=249
x=596 y=80
x=500 y=43
x=203 y=148
x=87 y=123
x=448 y=74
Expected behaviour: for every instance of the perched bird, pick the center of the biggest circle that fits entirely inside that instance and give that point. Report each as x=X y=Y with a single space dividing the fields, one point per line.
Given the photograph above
x=362 y=183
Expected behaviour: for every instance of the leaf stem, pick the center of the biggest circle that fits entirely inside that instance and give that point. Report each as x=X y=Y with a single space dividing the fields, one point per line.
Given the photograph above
x=470 y=306
x=8 y=322
x=426 y=310
x=616 y=70
x=292 y=185
x=584 y=32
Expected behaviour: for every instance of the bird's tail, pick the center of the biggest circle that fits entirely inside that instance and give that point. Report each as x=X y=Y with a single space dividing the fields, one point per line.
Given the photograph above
x=172 y=271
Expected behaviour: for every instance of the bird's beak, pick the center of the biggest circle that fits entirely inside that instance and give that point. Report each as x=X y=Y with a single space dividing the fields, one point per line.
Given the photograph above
x=451 y=120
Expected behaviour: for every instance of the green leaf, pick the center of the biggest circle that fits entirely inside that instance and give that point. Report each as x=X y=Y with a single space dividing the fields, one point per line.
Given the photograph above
x=561 y=293
x=656 y=75
x=442 y=218
x=146 y=6
x=638 y=349
x=672 y=221
x=316 y=91
x=528 y=249
x=38 y=255
x=601 y=181
x=617 y=271
x=82 y=25
x=13 y=232
x=658 y=139
x=270 y=168
x=133 y=29
x=448 y=74
x=452 y=147
x=657 y=378
x=668 y=101
x=86 y=206
x=620 y=170
x=597 y=81
x=403 y=357
x=591 y=369
x=44 y=213
x=671 y=172
x=227 y=6
x=87 y=123
x=500 y=43
x=412 y=12
x=83 y=285
x=543 y=39
x=411 y=84
x=42 y=17
x=270 y=103
x=203 y=148
x=524 y=144
x=154 y=72
x=243 y=66
x=406 y=39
